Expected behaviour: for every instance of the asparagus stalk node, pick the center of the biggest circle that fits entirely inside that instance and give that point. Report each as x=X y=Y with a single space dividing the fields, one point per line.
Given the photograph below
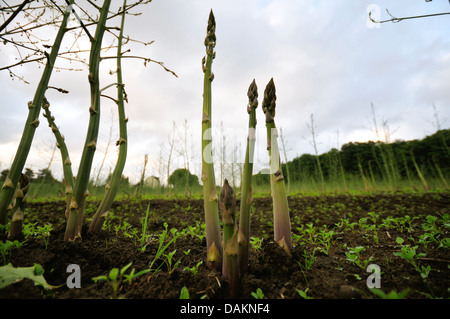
x=246 y=189
x=282 y=223
x=213 y=240
x=230 y=266
x=15 y=228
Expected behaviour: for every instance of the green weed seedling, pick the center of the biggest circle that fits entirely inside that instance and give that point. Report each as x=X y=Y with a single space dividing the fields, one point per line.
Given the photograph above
x=117 y=229
x=410 y=255
x=297 y=239
x=169 y=261
x=129 y=232
x=29 y=229
x=129 y=277
x=6 y=247
x=353 y=256
x=373 y=216
x=424 y=271
x=310 y=234
x=433 y=232
x=197 y=231
x=108 y=223
x=405 y=223
x=400 y=224
x=43 y=232
x=388 y=223
x=370 y=230
x=40 y=232
x=373 y=229
x=256 y=243
x=162 y=248
x=139 y=240
x=325 y=240
x=346 y=224
x=391 y=295
x=446 y=220
x=184 y=293
x=311 y=231
x=303 y=294
x=309 y=260
x=258 y=294
x=144 y=236
x=194 y=269
x=116 y=276
x=445 y=243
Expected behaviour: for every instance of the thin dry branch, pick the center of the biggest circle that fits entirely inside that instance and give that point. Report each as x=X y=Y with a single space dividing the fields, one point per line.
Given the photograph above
x=396 y=20
x=146 y=60
x=13 y=15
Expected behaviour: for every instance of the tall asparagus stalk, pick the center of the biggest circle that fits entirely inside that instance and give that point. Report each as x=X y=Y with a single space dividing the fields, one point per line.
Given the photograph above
x=32 y=122
x=246 y=189
x=75 y=220
x=282 y=223
x=230 y=265
x=213 y=240
x=60 y=143
x=112 y=188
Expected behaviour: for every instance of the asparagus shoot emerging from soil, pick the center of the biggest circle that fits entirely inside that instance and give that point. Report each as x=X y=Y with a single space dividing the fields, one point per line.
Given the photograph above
x=246 y=191
x=213 y=240
x=32 y=122
x=113 y=187
x=15 y=228
x=230 y=267
x=282 y=223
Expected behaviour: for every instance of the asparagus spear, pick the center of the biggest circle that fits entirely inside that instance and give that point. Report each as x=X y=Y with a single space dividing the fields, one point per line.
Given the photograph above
x=213 y=240
x=282 y=223
x=230 y=266
x=246 y=191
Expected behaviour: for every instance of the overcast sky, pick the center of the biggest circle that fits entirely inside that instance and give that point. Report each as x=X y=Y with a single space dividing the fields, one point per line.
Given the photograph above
x=325 y=57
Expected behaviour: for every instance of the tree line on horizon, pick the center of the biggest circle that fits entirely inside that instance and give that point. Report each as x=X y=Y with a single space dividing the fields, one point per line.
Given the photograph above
x=415 y=159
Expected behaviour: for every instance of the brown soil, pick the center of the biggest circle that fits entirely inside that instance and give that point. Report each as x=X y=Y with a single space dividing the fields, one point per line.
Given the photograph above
x=270 y=268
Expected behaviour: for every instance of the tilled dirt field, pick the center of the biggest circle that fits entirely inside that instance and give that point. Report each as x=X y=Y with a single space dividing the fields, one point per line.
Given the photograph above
x=319 y=268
